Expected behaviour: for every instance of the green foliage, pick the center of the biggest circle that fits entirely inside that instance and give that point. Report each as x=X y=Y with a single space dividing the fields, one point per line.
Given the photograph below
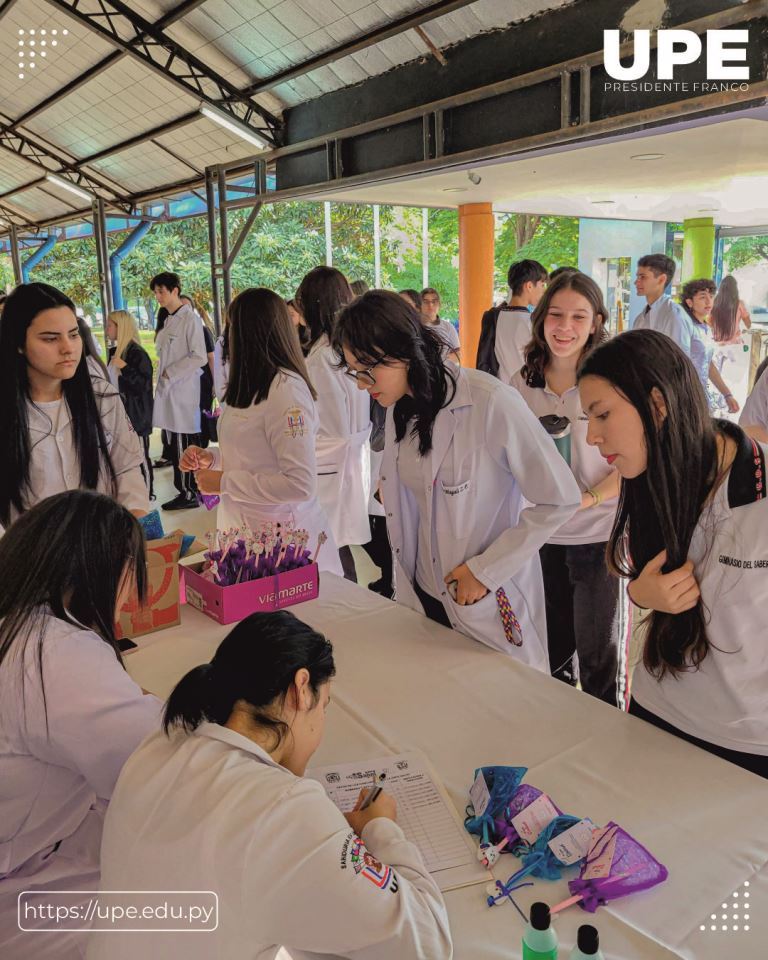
x=744 y=251
x=288 y=239
x=6 y=273
x=555 y=243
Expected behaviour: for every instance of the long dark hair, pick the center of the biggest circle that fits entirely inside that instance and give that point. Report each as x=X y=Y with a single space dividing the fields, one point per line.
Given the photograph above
x=537 y=354
x=321 y=295
x=257 y=663
x=66 y=556
x=660 y=509
x=21 y=308
x=261 y=341
x=382 y=324
x=725 y=311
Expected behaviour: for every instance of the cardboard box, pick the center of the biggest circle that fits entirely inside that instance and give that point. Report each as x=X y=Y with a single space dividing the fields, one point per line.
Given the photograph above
x=230 y=604
x=162 y=607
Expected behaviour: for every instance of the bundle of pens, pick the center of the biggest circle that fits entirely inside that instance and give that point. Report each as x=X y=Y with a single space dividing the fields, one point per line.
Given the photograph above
x=242 y=554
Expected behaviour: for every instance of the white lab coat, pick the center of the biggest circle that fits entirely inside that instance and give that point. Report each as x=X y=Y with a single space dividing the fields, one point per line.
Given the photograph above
x=267 y=453
x=513 y=334
x=57 y=780
x=211 y=810
x=180 y=355
x=489 y=456
x=755 y=412
x=54 y=467
x=343 y=448
x=723 y=701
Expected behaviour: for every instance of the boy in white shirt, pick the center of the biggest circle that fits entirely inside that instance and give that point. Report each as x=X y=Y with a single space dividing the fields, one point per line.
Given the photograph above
x=181 y=353
x=527 y=281
x=655 y=273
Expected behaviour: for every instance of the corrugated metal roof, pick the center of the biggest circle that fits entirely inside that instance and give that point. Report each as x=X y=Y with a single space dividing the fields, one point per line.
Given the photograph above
x=244 y=41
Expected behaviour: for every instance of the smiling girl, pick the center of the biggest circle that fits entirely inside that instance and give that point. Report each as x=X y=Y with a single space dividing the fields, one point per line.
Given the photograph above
x=60 y=430
x=582 y=598
x=692 y=534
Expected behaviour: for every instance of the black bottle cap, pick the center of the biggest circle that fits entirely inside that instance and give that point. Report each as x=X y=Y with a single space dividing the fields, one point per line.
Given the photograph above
x=588 y=940
x=540 y=918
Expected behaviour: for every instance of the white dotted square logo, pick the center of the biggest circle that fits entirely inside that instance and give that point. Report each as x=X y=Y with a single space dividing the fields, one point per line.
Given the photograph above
x=733 y=917
x=34 y=47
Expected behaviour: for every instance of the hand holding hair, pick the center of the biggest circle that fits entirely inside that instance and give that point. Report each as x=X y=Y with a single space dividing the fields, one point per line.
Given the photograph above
x=673 y=592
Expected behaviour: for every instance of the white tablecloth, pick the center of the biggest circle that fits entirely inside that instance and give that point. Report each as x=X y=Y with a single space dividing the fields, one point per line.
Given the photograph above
x=405 y=682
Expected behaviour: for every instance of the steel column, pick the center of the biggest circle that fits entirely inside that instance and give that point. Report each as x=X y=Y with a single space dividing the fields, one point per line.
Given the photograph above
x=102 y=262
x=15 y=258
x=226 y=277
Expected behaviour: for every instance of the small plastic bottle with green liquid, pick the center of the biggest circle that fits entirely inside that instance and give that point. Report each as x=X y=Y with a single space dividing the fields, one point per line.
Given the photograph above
x=539 y=939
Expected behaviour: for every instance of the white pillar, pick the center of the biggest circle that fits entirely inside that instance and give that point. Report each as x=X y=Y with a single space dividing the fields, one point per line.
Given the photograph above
x=328 y=239
x=376 y=247
x=424 y=247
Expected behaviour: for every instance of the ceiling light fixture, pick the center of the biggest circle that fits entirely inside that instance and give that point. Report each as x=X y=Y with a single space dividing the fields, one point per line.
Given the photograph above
x=648 y=156
x=66 y=185
x=454 y=189
x=603 y=203
x=233 y=125
x=709 y=210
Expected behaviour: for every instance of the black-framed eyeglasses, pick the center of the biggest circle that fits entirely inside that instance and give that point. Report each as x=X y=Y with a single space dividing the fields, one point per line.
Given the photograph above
x=364 y=376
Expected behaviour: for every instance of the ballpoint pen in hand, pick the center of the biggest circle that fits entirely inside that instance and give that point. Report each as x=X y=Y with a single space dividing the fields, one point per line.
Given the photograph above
x=375 y=791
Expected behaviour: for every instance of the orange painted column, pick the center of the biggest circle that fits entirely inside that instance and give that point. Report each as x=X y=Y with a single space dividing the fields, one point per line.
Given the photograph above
x=476 y=238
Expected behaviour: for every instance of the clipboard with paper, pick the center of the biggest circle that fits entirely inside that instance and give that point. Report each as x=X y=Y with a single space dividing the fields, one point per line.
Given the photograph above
x=425 y=812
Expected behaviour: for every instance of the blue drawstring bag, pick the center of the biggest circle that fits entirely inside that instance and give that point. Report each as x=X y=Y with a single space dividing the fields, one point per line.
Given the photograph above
x=538 y=860
x=502 y=783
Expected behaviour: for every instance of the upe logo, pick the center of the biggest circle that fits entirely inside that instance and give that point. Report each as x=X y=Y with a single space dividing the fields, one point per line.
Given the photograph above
x=677 y=48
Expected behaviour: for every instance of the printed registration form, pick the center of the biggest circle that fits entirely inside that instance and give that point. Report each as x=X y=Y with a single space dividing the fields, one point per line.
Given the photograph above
x=424 y=812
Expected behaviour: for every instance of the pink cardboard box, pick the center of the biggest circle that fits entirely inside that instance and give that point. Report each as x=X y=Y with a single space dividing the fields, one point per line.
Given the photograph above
x=230 y=604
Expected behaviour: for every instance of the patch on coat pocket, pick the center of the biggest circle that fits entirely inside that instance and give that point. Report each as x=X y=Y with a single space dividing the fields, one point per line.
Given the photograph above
x=453 y=490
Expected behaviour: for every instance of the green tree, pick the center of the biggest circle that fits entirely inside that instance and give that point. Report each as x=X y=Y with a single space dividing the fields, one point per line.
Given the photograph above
x=7 y=279
x=745 y=251
x=553 y=241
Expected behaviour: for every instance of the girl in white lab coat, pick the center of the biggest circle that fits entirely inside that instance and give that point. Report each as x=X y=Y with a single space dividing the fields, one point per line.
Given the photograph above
x=264 y=468
x=582 y=597
x=462 y=453
x=69 y=713
x=343 y=449
x=220 y=802
x=60 y=428
x=692 y=534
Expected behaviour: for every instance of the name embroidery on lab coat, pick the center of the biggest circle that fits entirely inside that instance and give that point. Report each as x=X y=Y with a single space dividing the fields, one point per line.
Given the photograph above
x=453 y=491
x=742 y=564
x=296 y=425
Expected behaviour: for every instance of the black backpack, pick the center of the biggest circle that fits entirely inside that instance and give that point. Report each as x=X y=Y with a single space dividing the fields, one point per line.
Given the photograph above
x=486 y=348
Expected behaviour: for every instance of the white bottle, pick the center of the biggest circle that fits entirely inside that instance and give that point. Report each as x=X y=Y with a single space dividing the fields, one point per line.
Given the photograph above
x=587 y=944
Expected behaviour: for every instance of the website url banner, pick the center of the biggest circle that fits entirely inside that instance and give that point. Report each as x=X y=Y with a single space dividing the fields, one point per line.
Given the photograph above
x=135 y=911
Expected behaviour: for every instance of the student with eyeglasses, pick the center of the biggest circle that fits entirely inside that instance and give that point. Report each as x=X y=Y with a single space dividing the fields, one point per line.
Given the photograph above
x=430 y=311
x=471 y=483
